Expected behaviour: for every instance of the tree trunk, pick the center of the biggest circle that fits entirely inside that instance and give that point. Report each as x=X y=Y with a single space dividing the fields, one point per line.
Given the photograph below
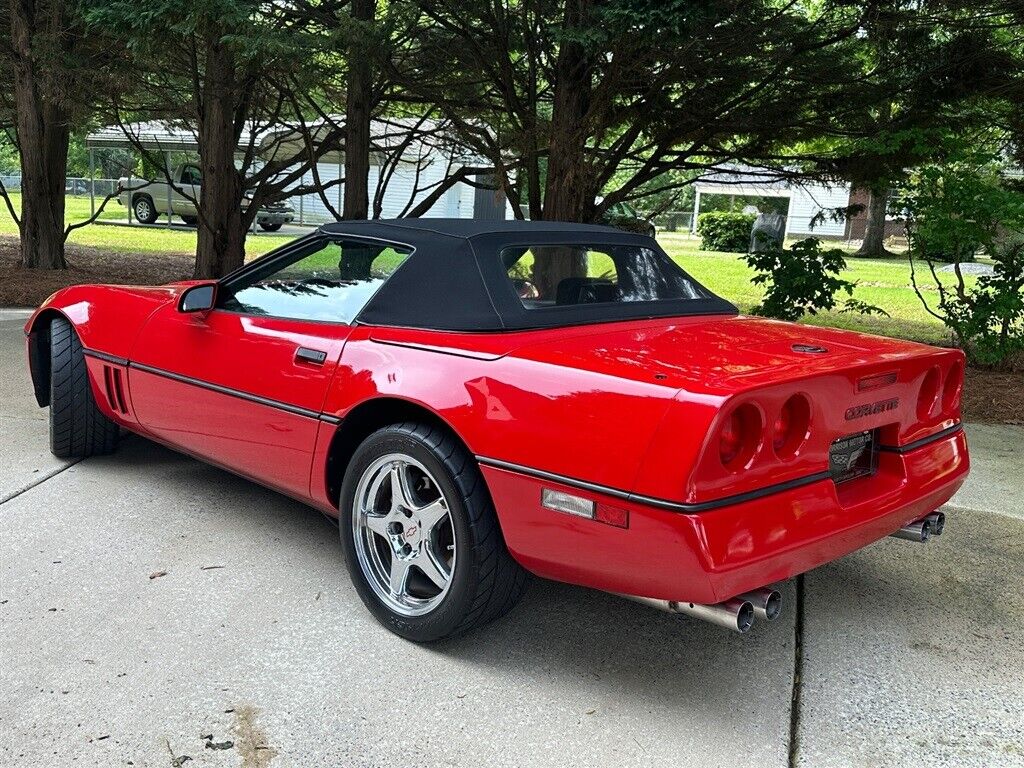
x=358 y=110
x=43 y=132
x=222 y=224
x=873 y=246
x=569 y=193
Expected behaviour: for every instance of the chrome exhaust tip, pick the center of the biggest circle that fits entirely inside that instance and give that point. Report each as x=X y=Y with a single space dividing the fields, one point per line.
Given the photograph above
x=920 y=531
x=938 y=522
x=767 y=603
x=736 y=614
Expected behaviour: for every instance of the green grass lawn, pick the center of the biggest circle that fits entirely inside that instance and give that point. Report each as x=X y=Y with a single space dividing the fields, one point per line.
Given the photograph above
x=155 y=239
x=882 y=282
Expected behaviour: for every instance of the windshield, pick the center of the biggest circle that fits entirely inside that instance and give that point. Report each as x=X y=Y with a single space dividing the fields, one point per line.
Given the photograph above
x=567 y=275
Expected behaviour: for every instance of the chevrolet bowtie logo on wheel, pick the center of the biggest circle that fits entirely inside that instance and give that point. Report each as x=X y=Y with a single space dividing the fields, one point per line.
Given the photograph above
x=869 y=409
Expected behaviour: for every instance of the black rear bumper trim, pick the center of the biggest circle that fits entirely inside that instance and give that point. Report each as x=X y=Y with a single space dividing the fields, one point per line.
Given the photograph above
x=651 y=501
x=941 y=435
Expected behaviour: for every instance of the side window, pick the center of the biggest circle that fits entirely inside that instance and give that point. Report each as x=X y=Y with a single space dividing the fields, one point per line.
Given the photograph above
x=330 y=283
x=191 y=175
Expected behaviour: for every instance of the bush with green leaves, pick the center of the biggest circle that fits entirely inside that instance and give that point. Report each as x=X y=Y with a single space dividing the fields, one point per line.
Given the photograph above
x=803 y=279
x=725 y=231
x=957 y=209
x=954 y=211
x=987 y=320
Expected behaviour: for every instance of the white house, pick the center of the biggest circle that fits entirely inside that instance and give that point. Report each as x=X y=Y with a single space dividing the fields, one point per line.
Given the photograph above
x=806 y=200
x=403 y=171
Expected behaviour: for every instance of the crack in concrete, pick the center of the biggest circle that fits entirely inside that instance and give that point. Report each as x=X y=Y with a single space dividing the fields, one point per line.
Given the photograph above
x=38 y=481
x=798 y=671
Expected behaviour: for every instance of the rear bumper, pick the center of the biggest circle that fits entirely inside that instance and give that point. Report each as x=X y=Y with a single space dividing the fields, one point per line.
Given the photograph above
x=711 y=556
x=275 y=217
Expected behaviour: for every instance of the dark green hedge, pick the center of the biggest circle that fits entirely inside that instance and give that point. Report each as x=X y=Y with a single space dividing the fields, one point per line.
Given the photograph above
x=724 y=231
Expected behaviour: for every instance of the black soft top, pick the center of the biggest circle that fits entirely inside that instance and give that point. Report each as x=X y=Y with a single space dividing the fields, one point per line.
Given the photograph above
x=454 y=279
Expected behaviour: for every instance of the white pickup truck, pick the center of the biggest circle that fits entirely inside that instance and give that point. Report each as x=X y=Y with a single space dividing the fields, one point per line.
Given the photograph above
x=149 y=200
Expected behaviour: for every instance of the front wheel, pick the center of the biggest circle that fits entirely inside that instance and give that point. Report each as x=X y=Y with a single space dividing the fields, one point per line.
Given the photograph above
x=77 y=427
x=421 y=537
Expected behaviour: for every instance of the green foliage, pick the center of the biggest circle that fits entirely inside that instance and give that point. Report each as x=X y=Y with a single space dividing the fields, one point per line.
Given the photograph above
x=9 y=161
x=989 y=320
x=955 y=211
x=725 y=231
x=958 y=208
x=803 y=280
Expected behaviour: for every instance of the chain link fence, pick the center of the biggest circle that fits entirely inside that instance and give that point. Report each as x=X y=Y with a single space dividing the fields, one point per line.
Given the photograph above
x=673 y=221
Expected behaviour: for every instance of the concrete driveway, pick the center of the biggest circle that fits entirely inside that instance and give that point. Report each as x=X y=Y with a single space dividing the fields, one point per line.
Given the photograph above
x=252 y=649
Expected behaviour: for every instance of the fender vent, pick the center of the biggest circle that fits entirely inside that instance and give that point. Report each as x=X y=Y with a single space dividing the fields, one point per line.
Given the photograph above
x=114 y=389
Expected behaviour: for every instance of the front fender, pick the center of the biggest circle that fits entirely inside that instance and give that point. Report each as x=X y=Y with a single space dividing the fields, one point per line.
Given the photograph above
x=107 y=319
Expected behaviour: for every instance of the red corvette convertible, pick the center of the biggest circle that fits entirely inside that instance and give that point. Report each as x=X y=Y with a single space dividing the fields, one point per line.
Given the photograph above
x=476 y=401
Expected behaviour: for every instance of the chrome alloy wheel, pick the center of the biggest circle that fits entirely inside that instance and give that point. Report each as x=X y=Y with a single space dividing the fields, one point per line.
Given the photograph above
x=403 y=534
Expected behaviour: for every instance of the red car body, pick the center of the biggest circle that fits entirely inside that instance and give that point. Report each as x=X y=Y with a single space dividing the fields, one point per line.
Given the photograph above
x=628 y=414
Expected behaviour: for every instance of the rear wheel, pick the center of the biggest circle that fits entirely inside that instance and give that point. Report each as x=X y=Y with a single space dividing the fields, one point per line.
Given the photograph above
x=271 y=226
x=77 y=427
x=144 y=209
x=422 y=540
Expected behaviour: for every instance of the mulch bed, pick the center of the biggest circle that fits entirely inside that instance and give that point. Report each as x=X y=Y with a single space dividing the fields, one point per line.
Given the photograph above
x=21 y=287
x=996 y=398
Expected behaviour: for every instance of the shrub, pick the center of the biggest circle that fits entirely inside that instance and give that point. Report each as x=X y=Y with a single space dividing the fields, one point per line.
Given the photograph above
x=987 y=320
x=724 y=231
x=955 y=210
x=803 y=280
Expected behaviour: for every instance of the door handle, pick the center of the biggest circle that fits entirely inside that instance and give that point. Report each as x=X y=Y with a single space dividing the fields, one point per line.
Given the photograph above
x=314 y=356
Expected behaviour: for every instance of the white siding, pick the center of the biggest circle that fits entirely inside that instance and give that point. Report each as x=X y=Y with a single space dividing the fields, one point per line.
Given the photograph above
x=456 y=203
x=808 y=201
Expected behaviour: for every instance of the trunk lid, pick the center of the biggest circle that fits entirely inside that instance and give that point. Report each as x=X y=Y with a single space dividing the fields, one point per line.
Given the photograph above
x=720 y=355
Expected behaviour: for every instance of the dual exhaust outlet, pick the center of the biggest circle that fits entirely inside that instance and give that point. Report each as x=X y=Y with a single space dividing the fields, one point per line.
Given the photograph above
x=923 y=529
x=737 y=613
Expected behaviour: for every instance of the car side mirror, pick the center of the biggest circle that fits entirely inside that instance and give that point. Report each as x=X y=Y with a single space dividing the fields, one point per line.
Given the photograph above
x=198 y=298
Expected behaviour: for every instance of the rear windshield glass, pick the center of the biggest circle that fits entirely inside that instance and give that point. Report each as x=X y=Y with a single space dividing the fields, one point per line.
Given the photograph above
x=567 y=275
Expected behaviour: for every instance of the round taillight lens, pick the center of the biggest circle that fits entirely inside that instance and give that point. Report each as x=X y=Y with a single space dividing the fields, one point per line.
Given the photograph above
x=731 y=440
x=929 y=394
x=953 y=388
x=791 y=426
x=739 y=436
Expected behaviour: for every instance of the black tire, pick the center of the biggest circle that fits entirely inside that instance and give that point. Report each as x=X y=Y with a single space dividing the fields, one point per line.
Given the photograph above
x=190 y=220
x=485 y=582
x=77 y=428
x=271 y=226
x=145 y=210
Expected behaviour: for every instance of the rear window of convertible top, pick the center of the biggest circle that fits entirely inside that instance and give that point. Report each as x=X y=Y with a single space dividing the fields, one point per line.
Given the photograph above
x=568 y=275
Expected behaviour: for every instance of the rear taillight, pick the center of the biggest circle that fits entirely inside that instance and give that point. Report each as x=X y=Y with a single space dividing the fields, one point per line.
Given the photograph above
x=739 y=436
x=791 y=426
